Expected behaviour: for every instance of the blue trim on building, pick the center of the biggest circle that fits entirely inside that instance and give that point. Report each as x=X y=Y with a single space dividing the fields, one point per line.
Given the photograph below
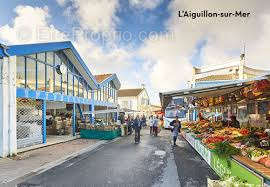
x=44 y=130
x=111 y=78
x=74 y=120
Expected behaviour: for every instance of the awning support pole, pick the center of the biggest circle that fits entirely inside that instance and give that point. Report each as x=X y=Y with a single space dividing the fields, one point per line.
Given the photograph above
x=74 y=119
x=44 y=130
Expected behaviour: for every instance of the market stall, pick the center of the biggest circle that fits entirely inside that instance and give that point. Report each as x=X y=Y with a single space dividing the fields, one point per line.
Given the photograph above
x=104 y=127
x=232 y=130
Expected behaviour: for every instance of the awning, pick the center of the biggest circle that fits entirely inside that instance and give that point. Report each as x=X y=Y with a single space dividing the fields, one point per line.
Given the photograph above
x=212 y=91
x=100 y=112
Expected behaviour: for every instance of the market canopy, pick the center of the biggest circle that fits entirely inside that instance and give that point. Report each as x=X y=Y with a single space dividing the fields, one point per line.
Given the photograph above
x=212 y=91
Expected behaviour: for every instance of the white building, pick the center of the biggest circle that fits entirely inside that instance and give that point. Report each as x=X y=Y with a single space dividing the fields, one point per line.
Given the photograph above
x=135 y=99
x=221 y=73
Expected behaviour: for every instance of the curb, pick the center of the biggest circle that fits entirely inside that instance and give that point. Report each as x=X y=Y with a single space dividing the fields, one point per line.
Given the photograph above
x=60 y=161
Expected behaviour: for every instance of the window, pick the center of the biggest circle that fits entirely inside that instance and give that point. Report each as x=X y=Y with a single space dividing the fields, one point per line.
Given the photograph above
x=80 y=88
x=41 y=57
x=76 y=86
x=41 y=76
x=95 y=95
x=31 y=74
x=50 y=58
x=50 y=79
x=57 y=60
x=70 y=84
x=57 y=87
x=20 y=82
x=85 y=90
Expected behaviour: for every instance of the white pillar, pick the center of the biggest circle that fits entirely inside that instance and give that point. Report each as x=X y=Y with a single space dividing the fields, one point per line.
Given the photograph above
x=8 y=133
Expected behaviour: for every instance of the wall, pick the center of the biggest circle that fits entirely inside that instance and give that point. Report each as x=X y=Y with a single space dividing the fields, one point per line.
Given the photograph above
x=128 y=99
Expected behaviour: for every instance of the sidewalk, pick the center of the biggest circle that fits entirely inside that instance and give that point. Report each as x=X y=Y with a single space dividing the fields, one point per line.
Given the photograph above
x=42 y=158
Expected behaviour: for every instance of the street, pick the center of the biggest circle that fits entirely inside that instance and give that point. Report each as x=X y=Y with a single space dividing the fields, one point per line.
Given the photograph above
x=123 y=163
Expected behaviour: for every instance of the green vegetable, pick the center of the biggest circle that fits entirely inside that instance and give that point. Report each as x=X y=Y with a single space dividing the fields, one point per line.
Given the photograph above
x=224 y=149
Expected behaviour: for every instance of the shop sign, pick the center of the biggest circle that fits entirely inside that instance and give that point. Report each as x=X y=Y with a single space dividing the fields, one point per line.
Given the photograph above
x=224 y=167
x=203 y=151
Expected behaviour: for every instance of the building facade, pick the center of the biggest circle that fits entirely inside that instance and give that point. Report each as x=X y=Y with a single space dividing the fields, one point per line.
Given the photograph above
x=45 y=89
x=135 y=99
x=219 y=74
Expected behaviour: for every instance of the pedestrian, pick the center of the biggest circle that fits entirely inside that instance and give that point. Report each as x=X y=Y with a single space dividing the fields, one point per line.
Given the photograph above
x=155 y=126
x=151 y=124
x=137 y=128
x=175 y=128
x=143 y=121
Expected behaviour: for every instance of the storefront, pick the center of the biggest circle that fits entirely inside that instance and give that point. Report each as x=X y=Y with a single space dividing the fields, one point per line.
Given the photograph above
x=231 y=132
x=45 y=88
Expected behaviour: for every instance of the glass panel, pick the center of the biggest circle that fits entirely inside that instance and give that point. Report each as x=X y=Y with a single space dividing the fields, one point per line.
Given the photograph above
x=95 y=95
x=76 y=90
x=50 y=58
x=80 y=89
x=70 y=84
x=64 y=84
x=57 y=87
x=85 y=90
x=50 y=79
x=20 y=82
x=31 y=74
x=57 y=60
x=41 y=56
x=41 y=76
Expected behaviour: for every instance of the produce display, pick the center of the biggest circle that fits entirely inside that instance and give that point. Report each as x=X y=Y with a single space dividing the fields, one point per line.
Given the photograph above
x=228 y=141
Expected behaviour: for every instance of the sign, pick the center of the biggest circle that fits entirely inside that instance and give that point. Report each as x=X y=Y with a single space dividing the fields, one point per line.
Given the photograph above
x=223 y=167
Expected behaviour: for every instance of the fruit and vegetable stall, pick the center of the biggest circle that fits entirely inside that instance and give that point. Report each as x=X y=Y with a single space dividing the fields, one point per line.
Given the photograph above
x=242 y=151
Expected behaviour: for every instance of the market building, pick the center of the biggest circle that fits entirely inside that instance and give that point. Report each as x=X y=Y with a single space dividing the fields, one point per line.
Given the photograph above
x=234 y=115
x=47 y=91
x=136 y=99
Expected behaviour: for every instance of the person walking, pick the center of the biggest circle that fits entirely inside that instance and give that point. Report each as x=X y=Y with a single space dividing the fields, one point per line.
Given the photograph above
x=155 y=126
x=151 y=119
x=143 y=121
x=175 y=128
x=137 y=128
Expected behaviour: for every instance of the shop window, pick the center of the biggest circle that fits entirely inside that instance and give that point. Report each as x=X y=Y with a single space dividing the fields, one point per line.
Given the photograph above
x=31 y=74
x=41 y=76
x=76 y=86
x=57 y=86
x=80 y=88
x=50 y=79
x=70 y=84
x=20 y=82
x=50 y=58
x=41 y=57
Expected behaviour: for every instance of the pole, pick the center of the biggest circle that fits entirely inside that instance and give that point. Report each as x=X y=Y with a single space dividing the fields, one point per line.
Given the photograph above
x=44 y=130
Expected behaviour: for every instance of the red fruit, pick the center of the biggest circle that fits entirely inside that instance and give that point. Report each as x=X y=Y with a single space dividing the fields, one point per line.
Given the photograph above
x=263 y=160
x=267 y=163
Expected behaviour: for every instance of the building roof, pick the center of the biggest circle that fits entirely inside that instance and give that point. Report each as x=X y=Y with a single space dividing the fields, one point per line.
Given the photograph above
x=130 y=92
x=101 y=78
x=66 y=46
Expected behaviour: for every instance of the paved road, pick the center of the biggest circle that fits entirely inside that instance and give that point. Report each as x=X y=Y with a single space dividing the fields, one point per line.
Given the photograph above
x=122 y=163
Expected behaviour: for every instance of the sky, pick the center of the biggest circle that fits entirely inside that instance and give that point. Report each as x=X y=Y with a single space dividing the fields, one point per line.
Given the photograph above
x=143 y=41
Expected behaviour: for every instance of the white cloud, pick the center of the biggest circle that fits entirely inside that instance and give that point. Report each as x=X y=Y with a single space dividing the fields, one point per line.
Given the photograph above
x=96 y=15
x=31 y=25
x=62 y=2
x=146 y=4
x=223 y=38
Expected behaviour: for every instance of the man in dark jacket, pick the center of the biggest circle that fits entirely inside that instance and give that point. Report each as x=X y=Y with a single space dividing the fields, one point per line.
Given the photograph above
x=175 y=128
x=137 y=128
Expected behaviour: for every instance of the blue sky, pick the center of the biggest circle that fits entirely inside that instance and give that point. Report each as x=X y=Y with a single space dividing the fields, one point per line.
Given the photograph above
x=163 y=61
